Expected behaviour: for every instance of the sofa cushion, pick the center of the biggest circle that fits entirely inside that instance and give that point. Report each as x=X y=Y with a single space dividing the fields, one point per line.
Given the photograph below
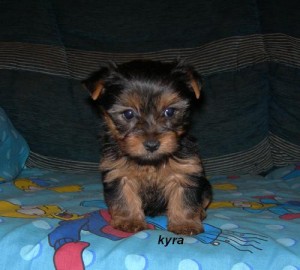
x=13 y=149
x=284 y=114
x=248 y=117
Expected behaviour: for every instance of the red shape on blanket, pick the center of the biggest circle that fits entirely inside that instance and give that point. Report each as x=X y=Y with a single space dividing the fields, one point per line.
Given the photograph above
x=69 y=256
x=290 y=216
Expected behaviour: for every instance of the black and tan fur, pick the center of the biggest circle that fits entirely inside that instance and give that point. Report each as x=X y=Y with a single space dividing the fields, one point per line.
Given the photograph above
x=150 y=165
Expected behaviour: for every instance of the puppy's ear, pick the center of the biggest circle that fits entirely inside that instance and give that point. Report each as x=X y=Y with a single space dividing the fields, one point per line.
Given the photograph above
x=95 y=84
x=195 y=82
x=192 y=77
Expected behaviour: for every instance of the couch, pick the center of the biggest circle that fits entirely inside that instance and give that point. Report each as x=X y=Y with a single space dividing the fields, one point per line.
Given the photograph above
x=247 y=123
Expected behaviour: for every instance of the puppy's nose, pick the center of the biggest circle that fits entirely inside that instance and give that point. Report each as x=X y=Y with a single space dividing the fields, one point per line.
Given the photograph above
x=151 y=145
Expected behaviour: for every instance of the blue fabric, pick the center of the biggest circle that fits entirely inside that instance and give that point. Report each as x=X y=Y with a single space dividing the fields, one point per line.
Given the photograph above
x=13 y=149
x=51 y=220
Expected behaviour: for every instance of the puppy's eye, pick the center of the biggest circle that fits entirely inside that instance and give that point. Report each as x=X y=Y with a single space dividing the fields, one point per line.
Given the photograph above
x=169 y=112
x=128 y=114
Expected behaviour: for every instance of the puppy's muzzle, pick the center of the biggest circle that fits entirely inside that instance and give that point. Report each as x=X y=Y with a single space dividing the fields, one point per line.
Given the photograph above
x=151 y=145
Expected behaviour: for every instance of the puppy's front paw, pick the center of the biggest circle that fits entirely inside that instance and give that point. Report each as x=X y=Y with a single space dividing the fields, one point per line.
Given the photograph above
x=190 y=228
x=131 y=226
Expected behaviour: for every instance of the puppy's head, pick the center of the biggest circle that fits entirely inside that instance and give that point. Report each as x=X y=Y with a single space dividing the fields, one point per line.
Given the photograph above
x=145 y=105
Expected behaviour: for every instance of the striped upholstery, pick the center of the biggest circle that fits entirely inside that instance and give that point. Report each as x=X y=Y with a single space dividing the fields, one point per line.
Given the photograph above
x=248 y=118
x=228 y=54
x=38 y=161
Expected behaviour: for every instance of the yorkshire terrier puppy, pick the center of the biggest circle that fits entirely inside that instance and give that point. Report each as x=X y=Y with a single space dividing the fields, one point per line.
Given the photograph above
x=150 y=166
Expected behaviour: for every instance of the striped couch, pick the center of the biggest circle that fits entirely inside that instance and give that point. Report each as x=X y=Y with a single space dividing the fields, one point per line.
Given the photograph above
x=248 y=53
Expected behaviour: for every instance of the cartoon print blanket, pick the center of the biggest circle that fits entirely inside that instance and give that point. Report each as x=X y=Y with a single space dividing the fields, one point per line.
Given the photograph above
x=55 y=220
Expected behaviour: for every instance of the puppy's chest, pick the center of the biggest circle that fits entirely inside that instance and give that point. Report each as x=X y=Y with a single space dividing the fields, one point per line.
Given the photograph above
x=145 y=176
x=148 y=177
x=152 y=185
x=149 y=181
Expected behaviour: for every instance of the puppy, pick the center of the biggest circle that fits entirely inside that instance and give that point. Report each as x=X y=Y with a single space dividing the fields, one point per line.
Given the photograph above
x=150 y=165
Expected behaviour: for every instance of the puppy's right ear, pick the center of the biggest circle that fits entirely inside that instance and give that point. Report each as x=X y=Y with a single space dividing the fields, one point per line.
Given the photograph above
x=95 y=84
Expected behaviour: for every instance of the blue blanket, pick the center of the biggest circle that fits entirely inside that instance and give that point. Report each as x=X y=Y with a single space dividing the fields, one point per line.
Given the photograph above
x=55 y=220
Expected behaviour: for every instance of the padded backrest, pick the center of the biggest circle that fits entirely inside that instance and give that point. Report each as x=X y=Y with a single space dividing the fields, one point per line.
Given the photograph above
x=248 y=118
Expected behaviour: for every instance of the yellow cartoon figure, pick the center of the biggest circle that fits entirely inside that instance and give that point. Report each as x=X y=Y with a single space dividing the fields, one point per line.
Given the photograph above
x=8 y=209
x=30 y=185
x=224 y=186
x=240 y=204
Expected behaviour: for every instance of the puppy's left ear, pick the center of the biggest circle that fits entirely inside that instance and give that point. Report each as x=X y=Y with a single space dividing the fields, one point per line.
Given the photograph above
x=95 y=84
x=195 y=82
x=190 y=75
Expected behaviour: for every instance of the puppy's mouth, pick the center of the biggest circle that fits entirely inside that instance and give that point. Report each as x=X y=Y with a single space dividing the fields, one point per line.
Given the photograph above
x=150 y=159
x=150 y=151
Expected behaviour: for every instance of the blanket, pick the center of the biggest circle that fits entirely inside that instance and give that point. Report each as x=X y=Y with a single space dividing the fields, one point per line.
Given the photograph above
x=59 y=220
